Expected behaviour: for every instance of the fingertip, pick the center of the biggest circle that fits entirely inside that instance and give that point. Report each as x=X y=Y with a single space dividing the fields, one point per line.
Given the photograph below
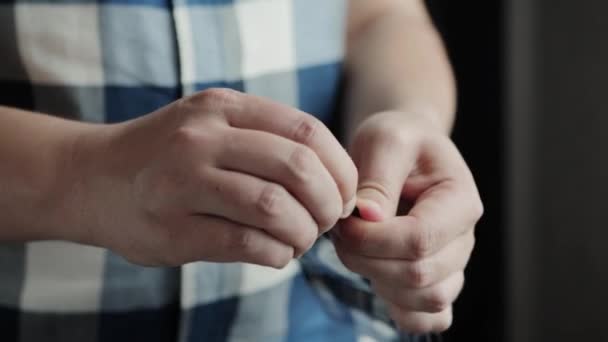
x=349 y=207
x=369 y=210
x=297 y=254
x=281 y=261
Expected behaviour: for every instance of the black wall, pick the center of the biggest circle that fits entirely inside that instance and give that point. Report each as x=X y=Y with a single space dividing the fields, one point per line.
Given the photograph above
x=558 y=163
x=473 y=34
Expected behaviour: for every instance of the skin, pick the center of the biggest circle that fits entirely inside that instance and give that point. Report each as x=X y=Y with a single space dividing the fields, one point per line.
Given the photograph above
x=227 y=177
x=219 y=176
x=416 y=196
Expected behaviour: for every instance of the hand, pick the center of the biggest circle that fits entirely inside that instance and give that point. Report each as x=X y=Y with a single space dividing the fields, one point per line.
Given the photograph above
x=219 y=176
x=415 y=260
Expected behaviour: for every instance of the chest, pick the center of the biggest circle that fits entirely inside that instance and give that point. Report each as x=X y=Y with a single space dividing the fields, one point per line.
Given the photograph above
x=287 y=50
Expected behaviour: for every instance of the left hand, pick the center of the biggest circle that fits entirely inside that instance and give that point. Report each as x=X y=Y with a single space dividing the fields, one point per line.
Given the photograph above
x=415 y=260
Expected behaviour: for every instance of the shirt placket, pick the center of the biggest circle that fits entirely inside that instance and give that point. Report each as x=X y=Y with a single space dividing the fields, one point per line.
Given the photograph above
x=185 y=47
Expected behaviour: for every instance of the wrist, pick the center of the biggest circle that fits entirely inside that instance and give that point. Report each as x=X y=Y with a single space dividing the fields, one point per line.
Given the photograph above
x=71 y=207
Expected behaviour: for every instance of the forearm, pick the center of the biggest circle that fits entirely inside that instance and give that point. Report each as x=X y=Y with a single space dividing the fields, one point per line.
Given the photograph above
x=36 y=174
x=396 y=62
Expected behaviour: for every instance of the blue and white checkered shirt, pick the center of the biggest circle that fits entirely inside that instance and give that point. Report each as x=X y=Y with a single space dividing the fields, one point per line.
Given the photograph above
x=112 y=60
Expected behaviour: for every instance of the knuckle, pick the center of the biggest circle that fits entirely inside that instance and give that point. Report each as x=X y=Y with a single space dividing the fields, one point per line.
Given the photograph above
x=473 y=241
x=437 y=300
x=396 y=138
x=393 y=136
x=444 y=323
x=304 y=239
x=214 y=98
x=380 y=130
x=184 y=136
x=272 y=256
x=243 y=240
x=421 y=242
x=477 y=210
x=187 y=137
x=379 y=186
x=279 y=259
x=269 y=202
x=300 y=163
x=306 y=129
x=418 y=274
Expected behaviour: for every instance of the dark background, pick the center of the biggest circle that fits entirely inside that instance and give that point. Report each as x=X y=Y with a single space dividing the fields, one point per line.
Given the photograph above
x=533 y=125
x=472 y=31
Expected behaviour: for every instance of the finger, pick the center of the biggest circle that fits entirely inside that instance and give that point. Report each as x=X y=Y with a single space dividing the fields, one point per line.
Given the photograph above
x=432 y=299
x=444 y=194
x=294 y=166
x=384 y=162
x=256 y=113
x=441 y=215
x=448 y=204
x=412 y=274
x=439 y=161
x=216 y=239
x=251 y=201
x=421 y=322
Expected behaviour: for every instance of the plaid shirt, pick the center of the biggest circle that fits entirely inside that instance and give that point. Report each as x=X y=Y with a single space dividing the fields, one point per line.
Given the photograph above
x=112 y=60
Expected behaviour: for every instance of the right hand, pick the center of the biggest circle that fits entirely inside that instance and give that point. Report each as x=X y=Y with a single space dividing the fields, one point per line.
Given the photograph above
x=219 y=176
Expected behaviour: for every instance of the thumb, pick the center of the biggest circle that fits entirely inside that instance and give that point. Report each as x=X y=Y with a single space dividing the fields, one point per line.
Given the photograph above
x=375 y=202
x=383 y=170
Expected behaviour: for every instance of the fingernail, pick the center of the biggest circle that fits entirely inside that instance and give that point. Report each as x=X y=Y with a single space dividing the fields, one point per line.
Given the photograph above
x=349 y=207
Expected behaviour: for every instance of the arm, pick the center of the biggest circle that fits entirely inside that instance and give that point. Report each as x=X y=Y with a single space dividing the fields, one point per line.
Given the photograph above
x=219 y=176
x=36 y=174
x=396 y=62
